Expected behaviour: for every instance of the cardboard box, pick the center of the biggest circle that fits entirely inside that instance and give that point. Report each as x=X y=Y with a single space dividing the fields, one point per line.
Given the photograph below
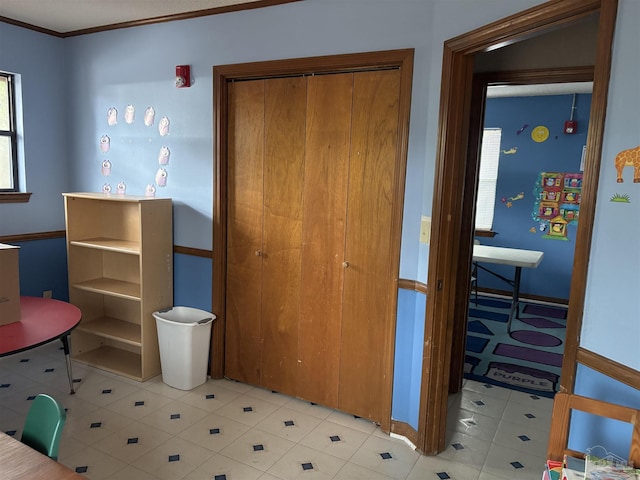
x=9 y=284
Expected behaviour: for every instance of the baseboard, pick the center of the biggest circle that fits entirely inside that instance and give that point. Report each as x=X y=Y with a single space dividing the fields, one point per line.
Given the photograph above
x=405 y=430
x=523 y=296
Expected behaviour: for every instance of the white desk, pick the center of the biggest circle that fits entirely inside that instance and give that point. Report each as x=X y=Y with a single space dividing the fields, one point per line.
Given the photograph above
x=507 y=256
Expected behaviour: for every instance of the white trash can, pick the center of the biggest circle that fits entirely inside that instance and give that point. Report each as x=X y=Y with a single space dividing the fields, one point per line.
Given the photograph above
x=184 y=335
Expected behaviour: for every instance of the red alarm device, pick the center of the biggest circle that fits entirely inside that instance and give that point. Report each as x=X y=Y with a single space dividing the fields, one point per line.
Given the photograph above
x=570 y=127
x=183 y=76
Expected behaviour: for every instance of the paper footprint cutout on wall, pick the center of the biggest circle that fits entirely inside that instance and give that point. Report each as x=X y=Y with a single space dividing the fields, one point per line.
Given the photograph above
x=112 y=116
x=163 y=156
x=106 y=168
x=161 y=177
x=129 y=114
x=149 y=116
x=511 y=151
x=163 y=126
x=105 y=143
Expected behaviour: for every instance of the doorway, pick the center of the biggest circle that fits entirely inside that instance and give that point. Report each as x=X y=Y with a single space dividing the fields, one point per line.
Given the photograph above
x=524 y=83
x=450 y=253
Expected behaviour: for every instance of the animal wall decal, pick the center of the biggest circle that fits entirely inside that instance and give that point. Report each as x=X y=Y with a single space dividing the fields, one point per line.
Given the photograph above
x=508 y=201
x=628 y=158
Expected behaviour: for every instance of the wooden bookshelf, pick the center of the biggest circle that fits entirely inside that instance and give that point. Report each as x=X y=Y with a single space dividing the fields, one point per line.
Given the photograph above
x=120 y=261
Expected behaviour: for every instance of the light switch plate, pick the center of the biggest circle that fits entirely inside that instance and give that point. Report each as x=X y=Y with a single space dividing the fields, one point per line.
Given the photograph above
x=425 y=230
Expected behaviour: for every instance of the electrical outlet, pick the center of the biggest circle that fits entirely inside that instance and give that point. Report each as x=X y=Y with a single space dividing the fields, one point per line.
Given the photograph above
x=425 y=230
x=47 y=294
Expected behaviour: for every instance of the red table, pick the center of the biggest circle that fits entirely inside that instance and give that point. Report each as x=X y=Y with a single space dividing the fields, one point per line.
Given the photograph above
x=43 y=320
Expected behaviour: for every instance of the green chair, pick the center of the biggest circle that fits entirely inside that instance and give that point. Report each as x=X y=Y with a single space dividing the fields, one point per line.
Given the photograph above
x=43 y=426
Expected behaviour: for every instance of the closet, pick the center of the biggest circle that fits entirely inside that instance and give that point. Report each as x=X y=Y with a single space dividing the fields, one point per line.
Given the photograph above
x=310 y=287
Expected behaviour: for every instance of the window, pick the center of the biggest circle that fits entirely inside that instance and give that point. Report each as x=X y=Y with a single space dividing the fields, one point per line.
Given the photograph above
x=8 y=137
x=488 y=178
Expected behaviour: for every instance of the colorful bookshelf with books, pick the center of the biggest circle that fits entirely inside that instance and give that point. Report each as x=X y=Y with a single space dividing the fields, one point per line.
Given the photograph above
x=603 y=465
x=554 y=470
x=573 y=468
x=597 y=464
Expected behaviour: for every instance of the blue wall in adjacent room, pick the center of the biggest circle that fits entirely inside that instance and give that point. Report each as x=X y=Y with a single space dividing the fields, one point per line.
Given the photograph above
x=518 y=172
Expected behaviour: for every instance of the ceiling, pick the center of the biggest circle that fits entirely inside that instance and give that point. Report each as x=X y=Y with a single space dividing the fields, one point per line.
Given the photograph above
x=79 y=16
x=537 y=90
x=74 y=17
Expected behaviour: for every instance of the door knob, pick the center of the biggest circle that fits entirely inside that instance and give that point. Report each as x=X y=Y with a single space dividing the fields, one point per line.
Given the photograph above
x=345 y=264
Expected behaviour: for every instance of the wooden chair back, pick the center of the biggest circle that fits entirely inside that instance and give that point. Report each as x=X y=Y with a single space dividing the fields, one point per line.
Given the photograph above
x=565 y=403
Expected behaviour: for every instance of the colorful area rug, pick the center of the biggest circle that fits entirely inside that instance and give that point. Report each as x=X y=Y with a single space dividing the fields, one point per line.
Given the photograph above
x=529 y=360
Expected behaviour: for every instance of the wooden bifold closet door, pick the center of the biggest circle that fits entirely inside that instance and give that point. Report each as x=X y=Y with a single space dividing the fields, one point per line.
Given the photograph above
x=311 y=170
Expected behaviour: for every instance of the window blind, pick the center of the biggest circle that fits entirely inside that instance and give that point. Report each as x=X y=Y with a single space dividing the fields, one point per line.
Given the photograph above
x=488 y=178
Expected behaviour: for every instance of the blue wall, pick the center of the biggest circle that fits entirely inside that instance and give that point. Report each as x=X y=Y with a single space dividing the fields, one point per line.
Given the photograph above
x=68 y=84
x=590 y=430
x=610 y=324
x=408 y=357
x=192 y=281
x=40 y=62
x=88 y=74
x=518 y=172
x=43 y=266
x=136 y=66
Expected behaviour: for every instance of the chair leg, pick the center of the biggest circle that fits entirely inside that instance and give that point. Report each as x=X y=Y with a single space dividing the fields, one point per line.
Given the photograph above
x=474 y=273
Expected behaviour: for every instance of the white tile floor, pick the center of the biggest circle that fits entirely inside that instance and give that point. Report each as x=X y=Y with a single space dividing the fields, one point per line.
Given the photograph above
x=118 y=429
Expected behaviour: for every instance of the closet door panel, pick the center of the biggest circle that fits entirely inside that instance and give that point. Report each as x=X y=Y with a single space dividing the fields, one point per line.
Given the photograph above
x=285 y=105
x=244 y=231
x=365 y=376
x=324 y=201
